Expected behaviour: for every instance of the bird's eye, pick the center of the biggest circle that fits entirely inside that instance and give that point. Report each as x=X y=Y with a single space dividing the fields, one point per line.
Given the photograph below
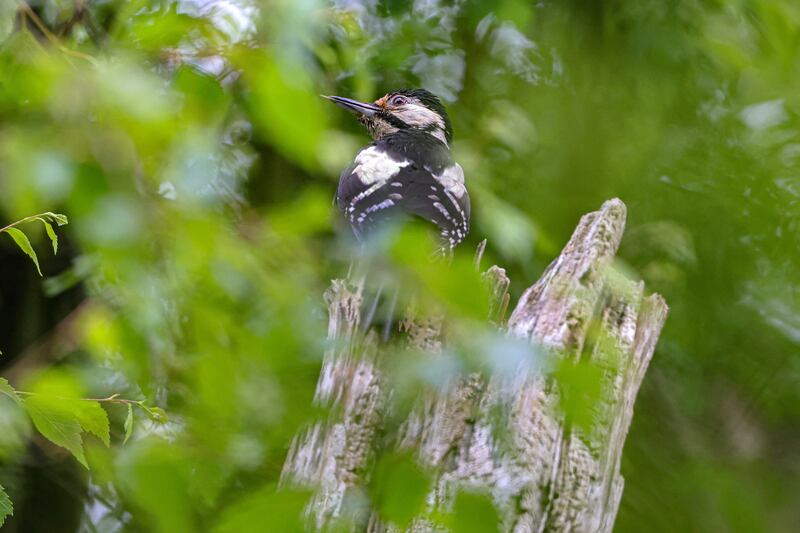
x=398 y=100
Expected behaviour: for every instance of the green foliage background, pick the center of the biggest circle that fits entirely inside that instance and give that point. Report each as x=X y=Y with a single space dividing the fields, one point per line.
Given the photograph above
x=188 y=146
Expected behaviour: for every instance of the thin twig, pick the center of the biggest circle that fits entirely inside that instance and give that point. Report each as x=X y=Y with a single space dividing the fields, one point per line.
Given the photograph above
x=114 y=398
x=479 y=253
x=30 y=13
x=21 y=221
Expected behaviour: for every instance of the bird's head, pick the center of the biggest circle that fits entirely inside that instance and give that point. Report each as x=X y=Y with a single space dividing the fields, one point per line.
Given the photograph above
x=415 y=109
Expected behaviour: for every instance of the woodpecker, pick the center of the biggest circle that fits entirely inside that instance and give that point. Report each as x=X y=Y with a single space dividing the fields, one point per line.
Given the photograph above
x=407 y=170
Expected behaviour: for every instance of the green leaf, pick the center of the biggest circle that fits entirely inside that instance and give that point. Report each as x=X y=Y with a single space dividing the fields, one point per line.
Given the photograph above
x=128 y=424
x=581 y=390
x=399 y=488
x=52 y=234
x=8 y=390
x=6 y=508
x=57 y=424
x=474 y=513
x=284 y=507
x=157 y=477
x=25 y=245
x=294 y=131
x=59 y=219
x=156 y=414
x=92 y=418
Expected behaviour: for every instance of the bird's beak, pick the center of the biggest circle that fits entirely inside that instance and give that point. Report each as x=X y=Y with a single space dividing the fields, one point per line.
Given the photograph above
x=361 y=108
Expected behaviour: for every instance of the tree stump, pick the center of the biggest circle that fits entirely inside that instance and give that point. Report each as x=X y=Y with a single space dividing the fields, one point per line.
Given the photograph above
x=547 y=474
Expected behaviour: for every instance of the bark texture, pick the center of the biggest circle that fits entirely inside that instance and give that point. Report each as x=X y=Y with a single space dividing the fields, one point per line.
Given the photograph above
x=499 y=434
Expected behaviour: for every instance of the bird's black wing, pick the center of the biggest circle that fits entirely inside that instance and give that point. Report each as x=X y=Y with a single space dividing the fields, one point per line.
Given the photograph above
x=366 y=195
x=405 y=173
x=427 y=197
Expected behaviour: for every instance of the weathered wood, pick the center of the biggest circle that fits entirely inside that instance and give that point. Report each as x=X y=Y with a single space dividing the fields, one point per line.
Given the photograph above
x=332 y=456
x=501 y=434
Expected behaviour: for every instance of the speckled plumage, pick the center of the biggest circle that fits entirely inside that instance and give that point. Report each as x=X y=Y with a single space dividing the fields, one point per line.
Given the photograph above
x=406 y=170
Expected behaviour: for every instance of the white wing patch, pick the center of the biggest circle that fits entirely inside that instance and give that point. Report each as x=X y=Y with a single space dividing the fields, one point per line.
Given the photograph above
x=452 y=179
x=375 y=166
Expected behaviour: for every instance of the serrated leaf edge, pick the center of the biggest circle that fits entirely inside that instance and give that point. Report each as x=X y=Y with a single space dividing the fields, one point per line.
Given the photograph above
x=6 y=506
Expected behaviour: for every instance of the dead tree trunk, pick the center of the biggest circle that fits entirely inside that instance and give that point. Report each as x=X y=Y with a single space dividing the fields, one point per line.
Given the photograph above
x=547 y=474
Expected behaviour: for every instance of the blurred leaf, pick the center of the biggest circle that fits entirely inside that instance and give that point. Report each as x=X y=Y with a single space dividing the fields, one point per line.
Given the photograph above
x=57 y=423
x=160 y=28
x=6 y=508
x=16 y=430
x=474 y=513
x=581 y=388
x=284 y=106
x=115 y=221
x=81 y=269
x=285 y=509
x=309 y=213
x=509 y=229
x=204 y=95
x=100 y=331
x=156 y=414
x=455 y=284
x=128 y=424
x=156 y=475
x=25 y=245
x=399 y=488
